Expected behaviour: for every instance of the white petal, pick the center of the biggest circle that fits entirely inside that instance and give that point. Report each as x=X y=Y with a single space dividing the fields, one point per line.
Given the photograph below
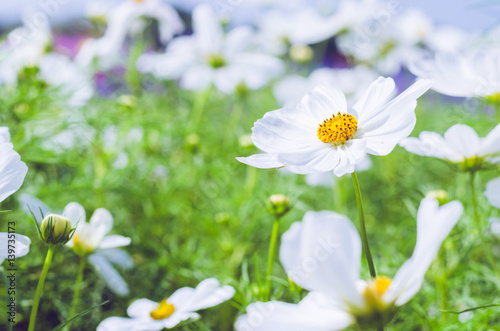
x=29 y=204
x=371 y=102
x=108 y=273
x=13 y=245
x=207 y=29
x=197 y=78
x=12 y=170
x=207 y=294
x=263 y=161
x=434 y=223
x=322 y=253
x=394 y=122
x=324 y=101
x=114 y=241
x=491 y=144
x=463 y=140
x=427 y=144
x=141 y=308
x=492 y=192
x=74 y=212
x=129 y=324
x=118 y=257
x=102 y=217
x=314 y=313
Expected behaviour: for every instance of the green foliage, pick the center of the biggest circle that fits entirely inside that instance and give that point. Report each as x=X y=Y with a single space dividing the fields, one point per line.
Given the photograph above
x=194 y=212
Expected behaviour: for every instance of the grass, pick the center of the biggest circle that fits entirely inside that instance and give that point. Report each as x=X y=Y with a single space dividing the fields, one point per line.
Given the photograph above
x=194 y=212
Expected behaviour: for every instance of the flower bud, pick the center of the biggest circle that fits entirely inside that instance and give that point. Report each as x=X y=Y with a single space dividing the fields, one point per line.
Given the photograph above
x=278 y=205
x=56 y=230
x=440 y=195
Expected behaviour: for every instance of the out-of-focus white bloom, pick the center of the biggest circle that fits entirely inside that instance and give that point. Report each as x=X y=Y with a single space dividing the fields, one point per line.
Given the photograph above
x=211 y=57
x=322 y=134
x=13 y=245
x=322 y=255
x=125 y=19
x=492 y=192
x=91 y=239
x=12 y=169
x=23 y=47
x=494 y=225
x=180 y=306
x=326 y=179
x=70 y=80
x=448 y=39
x=388 y=42
x=352 y=82
x=460 y=146
x=474 y=72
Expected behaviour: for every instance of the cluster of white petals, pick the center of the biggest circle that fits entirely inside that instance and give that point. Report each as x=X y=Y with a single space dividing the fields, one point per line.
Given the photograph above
x=322 y=254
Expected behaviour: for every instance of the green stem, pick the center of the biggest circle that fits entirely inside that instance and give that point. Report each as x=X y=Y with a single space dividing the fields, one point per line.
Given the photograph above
x=477 y=221
x=39 y=288
x=76 y=294
x=474 y=201
x=199 y=104
x=234 y=121
x=270 y=258
x=362 y=226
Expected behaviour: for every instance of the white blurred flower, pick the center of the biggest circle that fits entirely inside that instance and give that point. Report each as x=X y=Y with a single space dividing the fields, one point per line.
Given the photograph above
x=352 y=82
x=211 y=57
x=388 y=43
x=494 y=224
x=460 y=146
x=322 y=134
x=492 y=192
x=60 y=72
x=12 y=169
x=322 y=255
x=125 y=19
x=180 y=306
x=91 y=239
x=448 y=39
x=23 y=47
x=13 y=245
x=474 y=72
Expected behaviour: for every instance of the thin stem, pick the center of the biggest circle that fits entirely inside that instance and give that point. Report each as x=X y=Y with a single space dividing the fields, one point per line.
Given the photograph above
x=270 y=258
x=474 y=200
x=234 y=121
x=39 y=288
x=198 y=107
x=76 y=294
x=362 y=226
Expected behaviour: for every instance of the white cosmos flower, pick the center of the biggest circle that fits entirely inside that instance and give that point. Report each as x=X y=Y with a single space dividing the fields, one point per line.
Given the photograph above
x=211 y=57
x=71 y=81
x=460 y=146
x=492 y=192
x=352 y=82
x=147 y=315
x=125 y=19
x=322 y=254
x=23 y=47
x=91 y=239
x=322 y=134
x=474 y=72
x=13 y=245
x=12 y=169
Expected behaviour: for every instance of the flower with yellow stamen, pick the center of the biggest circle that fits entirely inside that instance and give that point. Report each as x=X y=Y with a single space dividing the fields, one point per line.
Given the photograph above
x=322 y=134
x=322 y=254
x=180 y=306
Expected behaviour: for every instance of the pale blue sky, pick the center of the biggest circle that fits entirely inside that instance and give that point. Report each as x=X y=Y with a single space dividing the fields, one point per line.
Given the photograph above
x=468 y=14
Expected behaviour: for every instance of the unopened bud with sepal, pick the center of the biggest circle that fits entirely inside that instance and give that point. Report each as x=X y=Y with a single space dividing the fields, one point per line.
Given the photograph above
x=278 y=205
x=56 y=230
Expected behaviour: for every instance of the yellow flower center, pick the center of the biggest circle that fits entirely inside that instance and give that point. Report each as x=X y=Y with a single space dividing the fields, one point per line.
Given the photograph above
x=338 y=129
x=163 y=311
x=381 y=284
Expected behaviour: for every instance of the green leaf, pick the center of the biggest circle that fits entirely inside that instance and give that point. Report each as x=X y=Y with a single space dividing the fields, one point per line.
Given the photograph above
x=61 y=326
